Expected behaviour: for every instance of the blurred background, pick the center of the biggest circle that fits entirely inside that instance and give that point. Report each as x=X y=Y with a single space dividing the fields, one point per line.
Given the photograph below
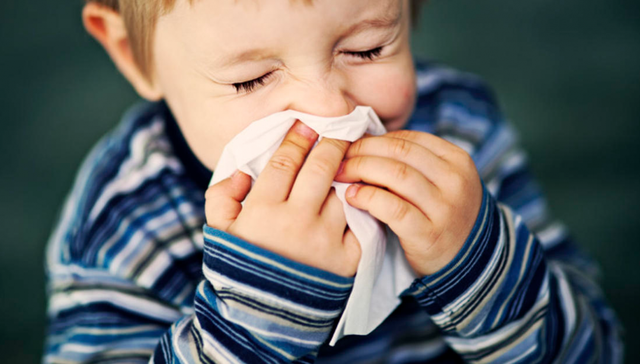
x=567 y=75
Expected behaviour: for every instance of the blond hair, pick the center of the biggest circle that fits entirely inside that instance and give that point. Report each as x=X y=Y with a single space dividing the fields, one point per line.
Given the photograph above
x=140 y=18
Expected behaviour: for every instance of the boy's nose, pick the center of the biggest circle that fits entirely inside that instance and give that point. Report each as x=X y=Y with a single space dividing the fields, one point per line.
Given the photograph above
x=322 y=99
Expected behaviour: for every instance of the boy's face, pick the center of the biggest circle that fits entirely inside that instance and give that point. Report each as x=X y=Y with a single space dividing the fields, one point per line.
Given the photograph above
x=225 y=63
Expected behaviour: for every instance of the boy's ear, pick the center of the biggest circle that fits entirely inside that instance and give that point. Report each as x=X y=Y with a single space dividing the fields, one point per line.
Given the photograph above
x=108 y=28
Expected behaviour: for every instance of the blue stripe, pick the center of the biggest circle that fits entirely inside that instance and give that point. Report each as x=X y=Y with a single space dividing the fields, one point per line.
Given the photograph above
x=451 y=105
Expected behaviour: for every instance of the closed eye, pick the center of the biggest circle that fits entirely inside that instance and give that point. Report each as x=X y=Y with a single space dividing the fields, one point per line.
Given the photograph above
x=250 y=85
x=370 y=54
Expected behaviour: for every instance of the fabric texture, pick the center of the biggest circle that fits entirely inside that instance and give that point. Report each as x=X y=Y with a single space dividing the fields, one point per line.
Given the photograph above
x=134 y=277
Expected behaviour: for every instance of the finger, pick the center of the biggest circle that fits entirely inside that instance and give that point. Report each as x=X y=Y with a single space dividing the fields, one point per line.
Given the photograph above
x=314 y=180
x=333 y=212
x=396 y=176
x=442 y=148
x=461 y=172
x=415 y=155
x=223 y=200
x=351 y=254
x=275 y=181
x=401 y=216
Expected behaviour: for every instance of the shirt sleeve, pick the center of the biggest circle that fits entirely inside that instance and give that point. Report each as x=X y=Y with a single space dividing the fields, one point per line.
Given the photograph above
x=520 y=290
x=255 y=307
x=252 y=306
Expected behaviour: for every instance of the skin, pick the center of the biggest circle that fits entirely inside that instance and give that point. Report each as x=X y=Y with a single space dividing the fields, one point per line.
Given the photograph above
x=305 y=46
x=426 y=189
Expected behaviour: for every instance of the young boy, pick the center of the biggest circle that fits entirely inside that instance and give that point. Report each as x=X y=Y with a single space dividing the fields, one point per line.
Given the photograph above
x=134 y=276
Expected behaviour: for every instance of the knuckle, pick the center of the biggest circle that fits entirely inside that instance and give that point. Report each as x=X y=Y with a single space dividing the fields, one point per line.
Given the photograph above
x=321 y=166
x=339 y=145
x=401 y=171
x=400 y=148
x=283 y=162
x=399 y=210
x=290 y=147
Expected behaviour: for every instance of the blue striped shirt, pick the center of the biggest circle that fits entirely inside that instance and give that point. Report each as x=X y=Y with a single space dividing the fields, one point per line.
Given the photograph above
x=134 y=276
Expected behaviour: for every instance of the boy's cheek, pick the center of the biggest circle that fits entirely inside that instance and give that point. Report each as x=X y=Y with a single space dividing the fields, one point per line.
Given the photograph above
x=401 y=110
x=392 y=96
x=207 y=129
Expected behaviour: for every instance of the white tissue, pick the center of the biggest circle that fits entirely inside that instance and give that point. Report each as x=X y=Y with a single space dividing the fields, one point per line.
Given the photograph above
x=383 y=271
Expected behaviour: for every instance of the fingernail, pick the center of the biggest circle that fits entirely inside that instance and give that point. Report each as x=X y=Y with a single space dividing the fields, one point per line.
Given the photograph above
x=352 y=190
x=304 y=130
x=341 y=167
x=235 y=174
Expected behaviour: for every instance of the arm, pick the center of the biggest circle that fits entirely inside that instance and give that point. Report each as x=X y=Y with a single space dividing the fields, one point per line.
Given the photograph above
x=499 y=291
x=519 y=290
x=252 y=307
x=125 y=284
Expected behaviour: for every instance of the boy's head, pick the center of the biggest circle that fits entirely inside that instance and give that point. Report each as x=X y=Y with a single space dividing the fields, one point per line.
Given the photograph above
x=221 y=64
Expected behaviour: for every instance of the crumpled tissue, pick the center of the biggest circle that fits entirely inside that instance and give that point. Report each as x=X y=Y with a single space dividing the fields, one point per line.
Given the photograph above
x=383 y=271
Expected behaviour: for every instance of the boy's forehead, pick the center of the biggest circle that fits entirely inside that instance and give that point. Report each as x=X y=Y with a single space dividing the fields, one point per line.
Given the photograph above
x=238 y=27
x=228 y=15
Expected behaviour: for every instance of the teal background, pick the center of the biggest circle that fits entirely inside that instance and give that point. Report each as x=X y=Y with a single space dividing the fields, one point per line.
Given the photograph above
x=566 y=73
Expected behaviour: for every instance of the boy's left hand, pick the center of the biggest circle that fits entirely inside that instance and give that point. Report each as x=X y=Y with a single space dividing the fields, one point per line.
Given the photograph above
x=425 y=188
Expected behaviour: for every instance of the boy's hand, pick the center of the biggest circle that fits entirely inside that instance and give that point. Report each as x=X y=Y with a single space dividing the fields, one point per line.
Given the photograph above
x=426 y=189
x=292 y=209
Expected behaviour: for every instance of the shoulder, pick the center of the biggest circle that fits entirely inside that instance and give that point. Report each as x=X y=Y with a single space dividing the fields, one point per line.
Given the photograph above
x=131 y=190
x=457 y=106
x=445 y=93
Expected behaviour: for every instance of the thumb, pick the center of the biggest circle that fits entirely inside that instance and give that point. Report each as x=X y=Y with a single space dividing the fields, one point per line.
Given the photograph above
x=223 y=199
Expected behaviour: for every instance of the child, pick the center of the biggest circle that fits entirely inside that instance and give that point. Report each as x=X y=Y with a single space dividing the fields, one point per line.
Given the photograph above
x=133 y=275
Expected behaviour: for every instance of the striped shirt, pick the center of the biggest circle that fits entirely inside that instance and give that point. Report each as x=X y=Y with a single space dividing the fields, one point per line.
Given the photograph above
x=135 y=277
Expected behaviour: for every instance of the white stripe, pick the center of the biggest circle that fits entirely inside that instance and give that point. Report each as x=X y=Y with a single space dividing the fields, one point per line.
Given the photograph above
x=221 y=282
x=518 y=358
x=479 y=283
x=567 y=302
x=274 y=263
x=485 y=341
x=277 y=278
x=552 y=235
x=141 y=166
x=139 y=305
x=113 y=331
x=433 y=78
x=137 y=237
x=152 y=272
x=238 y=314
x=137 y=249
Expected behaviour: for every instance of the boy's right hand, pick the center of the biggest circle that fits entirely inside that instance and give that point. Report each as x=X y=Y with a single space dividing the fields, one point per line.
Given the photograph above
x=292 y=209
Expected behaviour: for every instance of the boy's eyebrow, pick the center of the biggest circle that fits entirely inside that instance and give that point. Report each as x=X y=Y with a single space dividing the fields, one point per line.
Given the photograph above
x=255 y=54
x=388 y=20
